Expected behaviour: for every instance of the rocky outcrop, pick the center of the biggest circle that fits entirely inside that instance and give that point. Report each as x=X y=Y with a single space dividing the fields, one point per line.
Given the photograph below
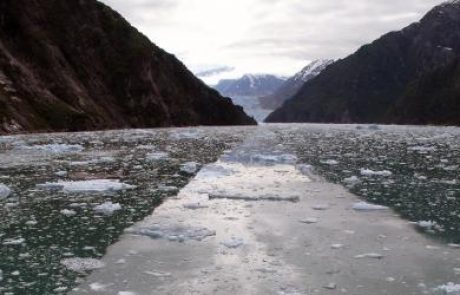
x=78 y=65
x=369 y=85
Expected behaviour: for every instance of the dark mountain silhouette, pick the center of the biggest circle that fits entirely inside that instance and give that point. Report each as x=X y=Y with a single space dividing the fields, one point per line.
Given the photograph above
x=381 y=81
x=78 y=65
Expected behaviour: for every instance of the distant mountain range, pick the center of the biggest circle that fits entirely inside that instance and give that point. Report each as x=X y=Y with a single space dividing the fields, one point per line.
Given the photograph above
x=78 y=65
x=292 y=85
x=250 y=85
x=409 y=77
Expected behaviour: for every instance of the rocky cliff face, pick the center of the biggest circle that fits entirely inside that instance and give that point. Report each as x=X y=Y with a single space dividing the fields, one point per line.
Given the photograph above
x=78 y=65
x=291 y=86
x=370 y=84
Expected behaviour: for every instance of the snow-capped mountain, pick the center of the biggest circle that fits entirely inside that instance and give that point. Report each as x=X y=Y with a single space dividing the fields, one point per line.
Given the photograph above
x=250 y=85
x=312 y=70
x=293 y=84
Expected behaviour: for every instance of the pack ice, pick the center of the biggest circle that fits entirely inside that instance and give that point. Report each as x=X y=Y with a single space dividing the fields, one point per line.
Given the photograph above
x=88 y=186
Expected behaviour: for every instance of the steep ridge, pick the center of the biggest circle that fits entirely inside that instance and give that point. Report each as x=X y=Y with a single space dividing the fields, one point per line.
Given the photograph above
x=368 y=85
x=293 y=84
x=78 y=65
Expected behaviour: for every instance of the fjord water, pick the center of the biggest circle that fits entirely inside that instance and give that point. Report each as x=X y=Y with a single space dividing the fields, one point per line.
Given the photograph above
x=252 y=107
x=415 y=170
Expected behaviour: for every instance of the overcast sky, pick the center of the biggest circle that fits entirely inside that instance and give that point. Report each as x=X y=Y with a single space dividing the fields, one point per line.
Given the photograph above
x=265 y=36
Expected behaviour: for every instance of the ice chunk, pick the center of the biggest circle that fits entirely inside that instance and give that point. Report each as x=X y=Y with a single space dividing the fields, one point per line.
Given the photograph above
x=268 y=197
x=167 y=188
x=363 y=206
x=88 y=186
x=177 y=233
x=82 y=264
x=68 y=212
x=353 y=180
x=337 y=246
x=450 y=288
x=126 y=293
x=212 y=171
x=156 y=156
x=427 y=224
x=54 y=148
x=14 y=242
x=107 y=208
x=305 y=169
x=330 y=162
x=61 y=173
x=233 y=243
x=194 y=206
x=331 y=286
x=370 y=255
x=309 y=220
x=190 y=167
x=368 y=172
x=422 y=149
x=4 y=191
x=274 y=159
x=320 y=207
x=98 y=287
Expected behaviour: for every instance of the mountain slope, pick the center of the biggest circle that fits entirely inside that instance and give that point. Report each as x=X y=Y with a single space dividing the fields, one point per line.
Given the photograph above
x=249 y=85
x=366 y=86
x=78 y=65
x=434 y=99
x=289 y=88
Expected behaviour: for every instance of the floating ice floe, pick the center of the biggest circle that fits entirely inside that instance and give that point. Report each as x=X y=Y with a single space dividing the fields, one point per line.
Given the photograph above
x=449 y=288
x=320 y=207
x=194 y=206
x=14 y=242
x=309 y=220
x=157 y=156
x=177 y=233
x=211 y=171
x=330 y=162
x=368 y=172
x=353 y=180
x=82 y=264
x=68 y=213
x=275 y=159
x=370 y=255
x=167 y=188
x=98 y=287
x=126 y=293
x=88 y=186
x=306 y=169
x=422 y=149
x=54 y=148
x=4 y=191
x=61 y=173
x=233 y=243
x=427 y=224
x=363 y=206
x=337 y=246
x=107 y=208
x=268 y=197
x=190 y=167
x=330 y=286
